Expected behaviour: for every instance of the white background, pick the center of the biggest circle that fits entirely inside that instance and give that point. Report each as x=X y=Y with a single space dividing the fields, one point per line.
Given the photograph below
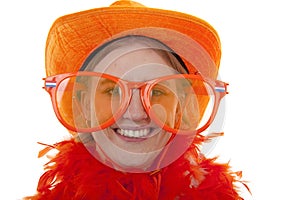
x=261 y=40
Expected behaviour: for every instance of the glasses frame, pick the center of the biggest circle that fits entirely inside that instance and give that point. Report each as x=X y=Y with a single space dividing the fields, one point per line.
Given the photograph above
x=218 y=87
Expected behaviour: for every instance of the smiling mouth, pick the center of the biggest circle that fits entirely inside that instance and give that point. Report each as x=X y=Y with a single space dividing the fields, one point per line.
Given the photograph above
x=141 y=133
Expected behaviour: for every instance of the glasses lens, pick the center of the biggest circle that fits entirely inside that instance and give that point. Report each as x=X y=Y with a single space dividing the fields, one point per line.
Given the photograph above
x=182 y=104
x=88 y=101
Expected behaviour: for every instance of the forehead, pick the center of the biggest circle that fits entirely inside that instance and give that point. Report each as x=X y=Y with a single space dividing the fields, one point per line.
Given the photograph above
x=135 y=62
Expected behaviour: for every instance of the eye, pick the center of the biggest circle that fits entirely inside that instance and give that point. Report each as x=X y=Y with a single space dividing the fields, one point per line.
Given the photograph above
x=115 y=91
x=157 y=92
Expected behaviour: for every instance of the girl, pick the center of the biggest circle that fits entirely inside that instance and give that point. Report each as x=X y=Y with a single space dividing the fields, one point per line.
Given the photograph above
x=137 y=88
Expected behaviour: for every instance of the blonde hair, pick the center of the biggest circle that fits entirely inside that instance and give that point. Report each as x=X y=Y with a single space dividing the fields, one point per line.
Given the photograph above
x=167 y=53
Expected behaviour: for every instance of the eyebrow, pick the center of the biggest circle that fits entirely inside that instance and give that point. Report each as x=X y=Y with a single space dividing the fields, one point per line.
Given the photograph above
x=105 y=81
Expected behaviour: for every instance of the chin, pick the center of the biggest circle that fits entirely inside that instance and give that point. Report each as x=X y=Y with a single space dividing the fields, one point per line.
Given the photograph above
x=125 y=154
x=124 y=160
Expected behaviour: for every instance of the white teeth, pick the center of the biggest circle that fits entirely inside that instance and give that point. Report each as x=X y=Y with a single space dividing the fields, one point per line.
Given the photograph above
x=134 y=133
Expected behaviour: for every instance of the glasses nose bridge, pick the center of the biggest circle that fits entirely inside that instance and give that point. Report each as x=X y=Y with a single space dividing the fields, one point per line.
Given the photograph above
x=136 y=109
x=140 y=86
x=135 y=85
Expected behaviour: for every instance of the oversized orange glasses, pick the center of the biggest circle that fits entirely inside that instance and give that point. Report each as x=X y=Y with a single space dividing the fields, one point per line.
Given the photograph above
x=86 y=102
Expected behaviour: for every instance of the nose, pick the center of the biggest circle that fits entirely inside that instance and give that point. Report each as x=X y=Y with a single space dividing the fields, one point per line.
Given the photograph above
x=135 y=110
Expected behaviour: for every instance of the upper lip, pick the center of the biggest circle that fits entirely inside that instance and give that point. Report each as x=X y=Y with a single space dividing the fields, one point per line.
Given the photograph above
x=136 y=133
x=133 y=126
x=135 y=129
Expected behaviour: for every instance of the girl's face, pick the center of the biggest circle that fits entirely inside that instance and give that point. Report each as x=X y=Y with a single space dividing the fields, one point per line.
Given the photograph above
x=134 y=141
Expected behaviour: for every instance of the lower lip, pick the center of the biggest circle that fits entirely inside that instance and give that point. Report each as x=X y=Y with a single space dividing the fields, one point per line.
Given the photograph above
x=130 y=139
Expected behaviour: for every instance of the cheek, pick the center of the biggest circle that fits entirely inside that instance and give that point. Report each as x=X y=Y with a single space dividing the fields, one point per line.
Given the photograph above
x=170 y=110
x=165 y=111
x=163 y=138
x=104 y=109
x=171 y=115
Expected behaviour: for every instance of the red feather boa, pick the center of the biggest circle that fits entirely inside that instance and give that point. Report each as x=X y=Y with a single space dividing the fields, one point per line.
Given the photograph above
x=75 y=174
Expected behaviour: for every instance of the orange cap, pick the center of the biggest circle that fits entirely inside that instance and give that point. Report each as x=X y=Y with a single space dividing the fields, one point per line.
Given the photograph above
x=73 y=37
